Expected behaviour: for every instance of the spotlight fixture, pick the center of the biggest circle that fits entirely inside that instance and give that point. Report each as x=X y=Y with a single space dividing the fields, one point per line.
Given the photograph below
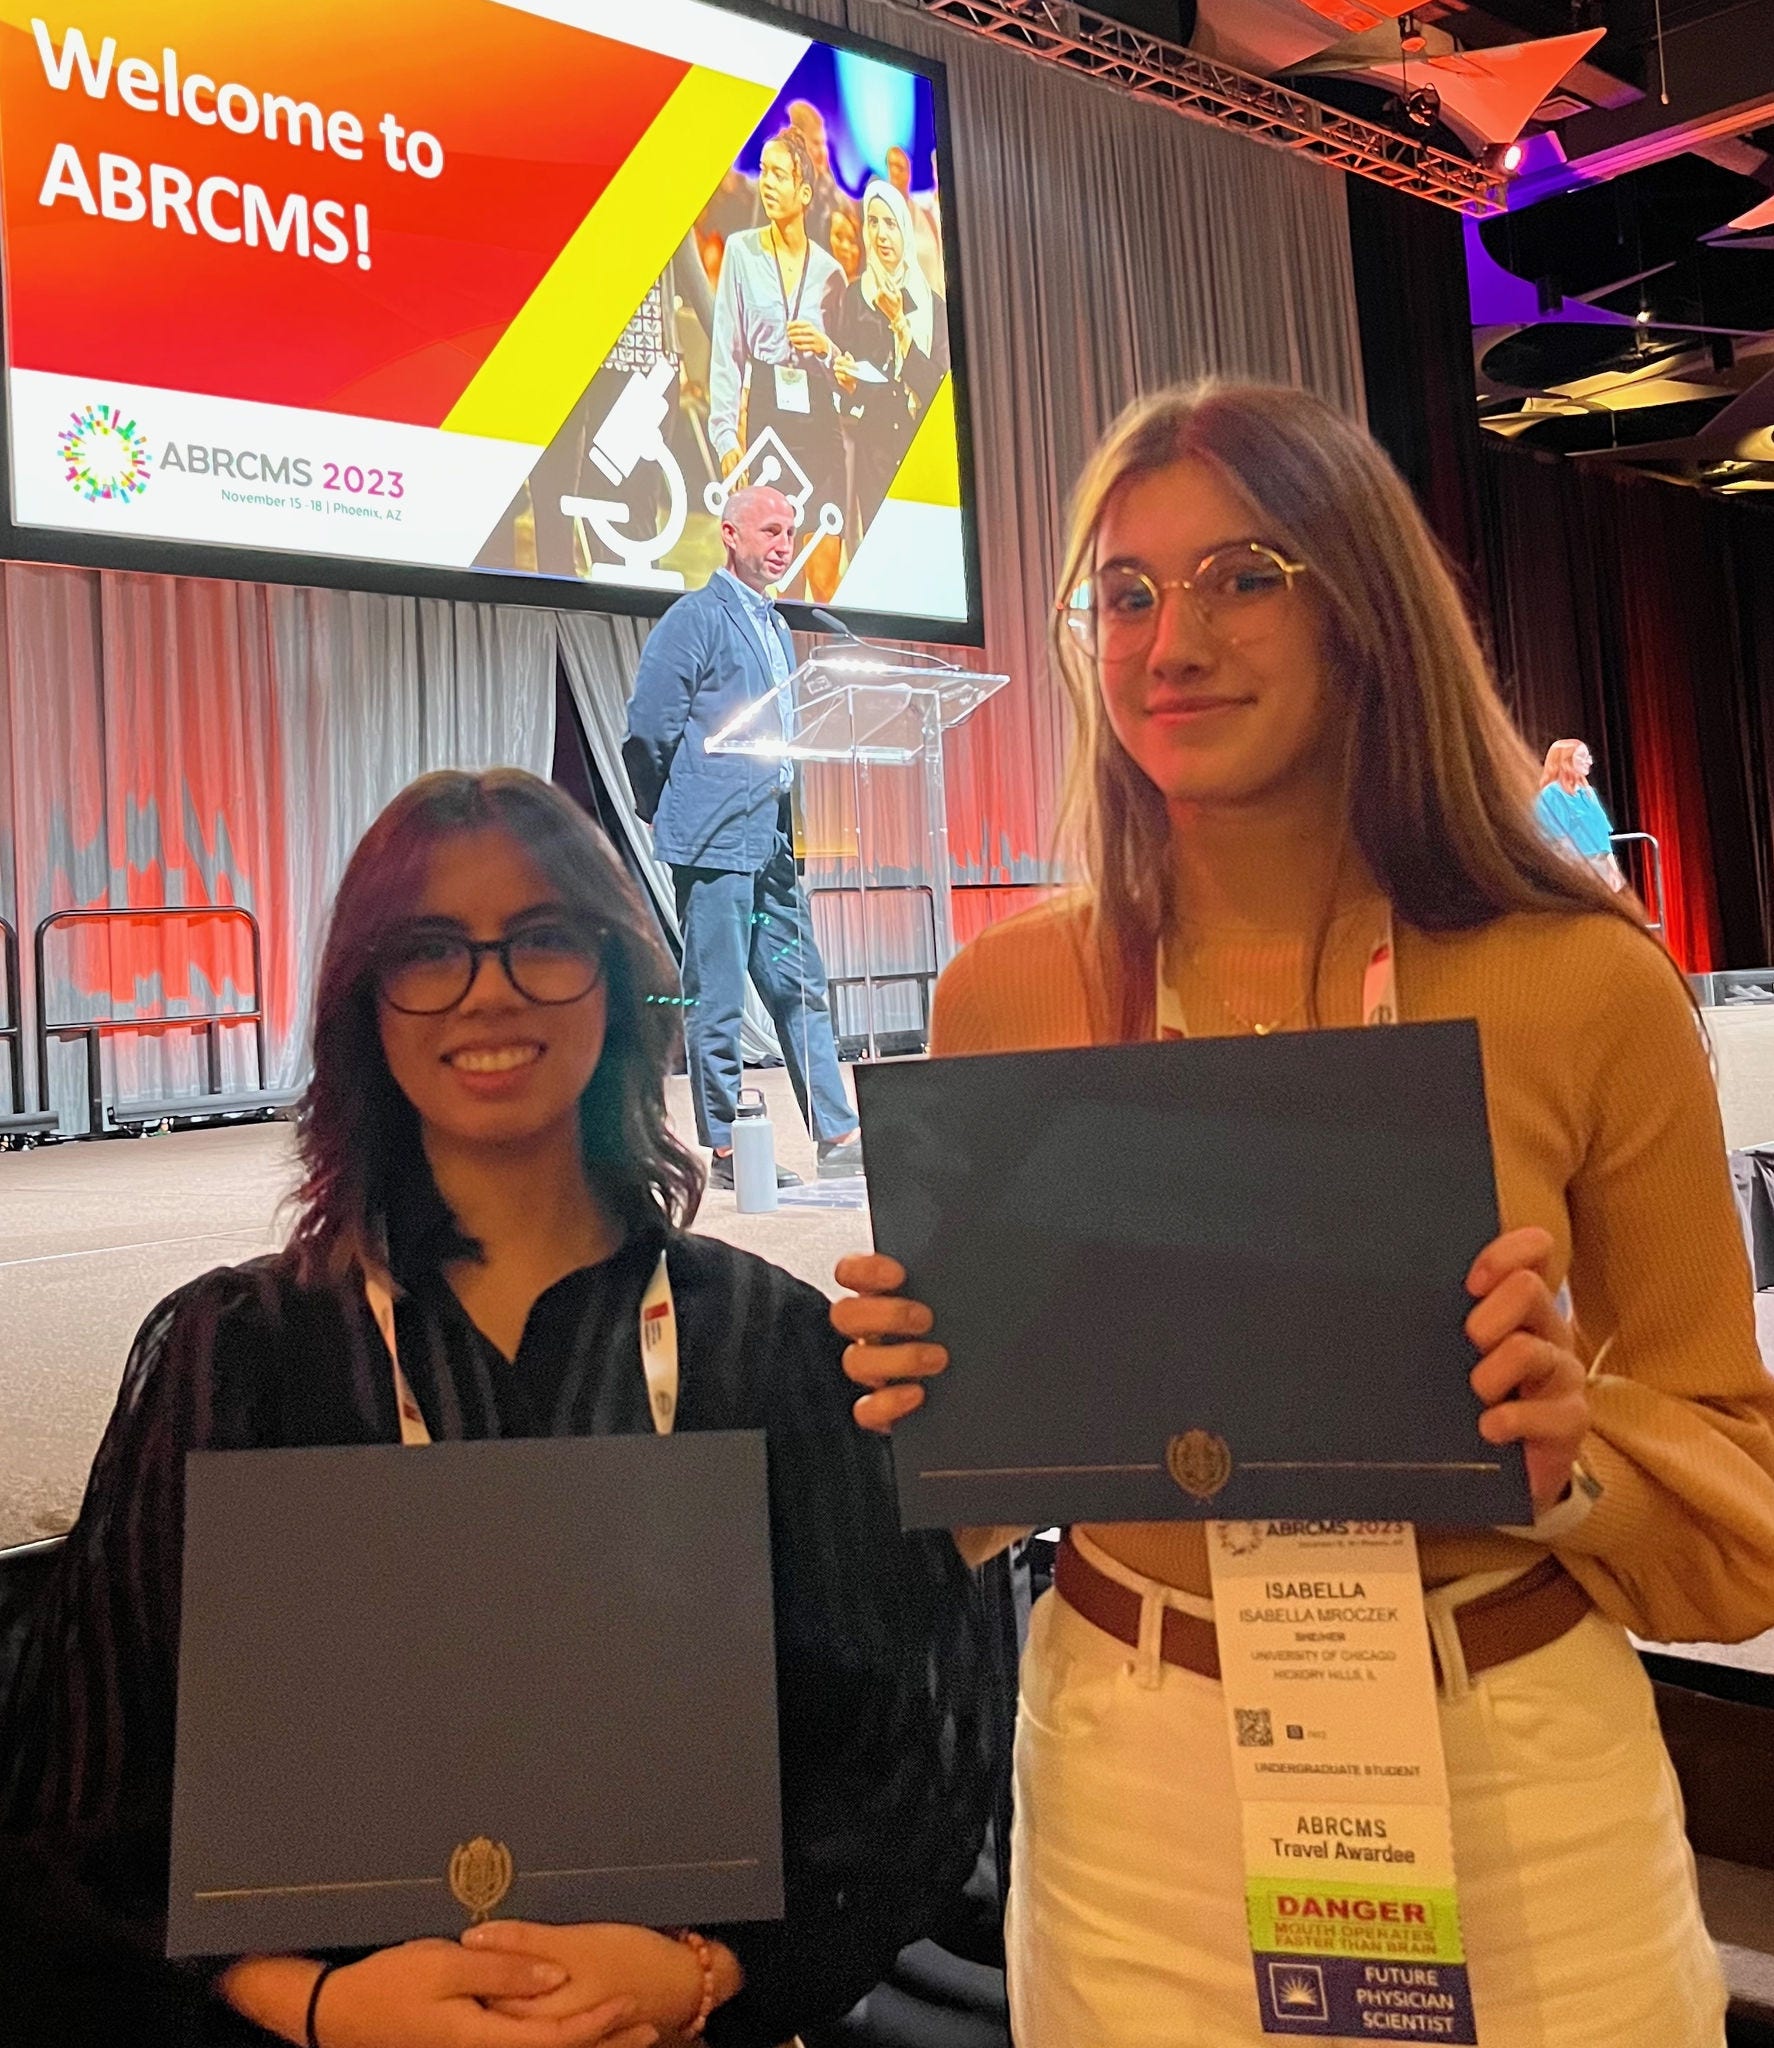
x=1421 y=107
x=1411 y=39
x=1504 y=158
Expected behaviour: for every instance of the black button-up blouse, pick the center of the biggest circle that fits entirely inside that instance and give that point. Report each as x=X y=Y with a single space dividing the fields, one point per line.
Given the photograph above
x=885 y=1737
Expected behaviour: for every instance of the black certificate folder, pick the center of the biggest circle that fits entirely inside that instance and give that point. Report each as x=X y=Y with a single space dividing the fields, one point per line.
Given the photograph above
x=419 y=1686
x=1220 y=1277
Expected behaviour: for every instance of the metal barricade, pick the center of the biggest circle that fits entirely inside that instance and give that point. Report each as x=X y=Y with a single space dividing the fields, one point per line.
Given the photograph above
x=125 y=1115
x=20 y=1124
x=859 y=947
x=1656 y=871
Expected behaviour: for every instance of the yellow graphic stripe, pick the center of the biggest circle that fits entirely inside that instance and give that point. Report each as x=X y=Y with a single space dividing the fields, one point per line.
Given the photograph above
x=931 y=471
x=541 y=364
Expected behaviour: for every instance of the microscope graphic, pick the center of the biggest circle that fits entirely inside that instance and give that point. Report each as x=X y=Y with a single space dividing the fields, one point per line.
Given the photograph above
x=768 y=461
x=632 y=433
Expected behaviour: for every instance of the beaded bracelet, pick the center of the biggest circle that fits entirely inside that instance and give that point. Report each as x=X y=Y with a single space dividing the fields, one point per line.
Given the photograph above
x=706 y=1963
x=326 y=1970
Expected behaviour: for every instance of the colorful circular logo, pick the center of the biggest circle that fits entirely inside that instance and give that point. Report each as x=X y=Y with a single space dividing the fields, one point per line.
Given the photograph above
x=107 y=455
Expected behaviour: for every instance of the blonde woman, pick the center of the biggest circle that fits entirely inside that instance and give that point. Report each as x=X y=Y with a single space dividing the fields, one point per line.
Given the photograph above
x=1289 y=754
x=1571 y=814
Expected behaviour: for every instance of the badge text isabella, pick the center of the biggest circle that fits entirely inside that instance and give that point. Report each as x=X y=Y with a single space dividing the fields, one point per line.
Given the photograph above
x=1308 y=1906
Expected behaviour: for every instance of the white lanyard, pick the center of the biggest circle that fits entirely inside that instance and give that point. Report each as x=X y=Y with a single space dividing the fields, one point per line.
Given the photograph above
x=790 y=314
x=1379 y=990
x=659 y=1352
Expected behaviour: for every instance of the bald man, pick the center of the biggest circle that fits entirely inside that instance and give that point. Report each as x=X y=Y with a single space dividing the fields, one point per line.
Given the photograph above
x=723 y=822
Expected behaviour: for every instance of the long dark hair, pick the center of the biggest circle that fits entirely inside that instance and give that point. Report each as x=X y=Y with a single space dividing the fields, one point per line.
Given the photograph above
x=1438 y=785
x=359 y=1135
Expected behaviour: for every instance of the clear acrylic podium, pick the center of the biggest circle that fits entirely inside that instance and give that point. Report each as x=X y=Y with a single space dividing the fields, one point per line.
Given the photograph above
x=877 y=822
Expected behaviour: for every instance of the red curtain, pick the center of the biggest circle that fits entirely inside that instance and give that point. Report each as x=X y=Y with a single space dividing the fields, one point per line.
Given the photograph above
x=1621 y=608
x=1669 y=610
x=1635 y=614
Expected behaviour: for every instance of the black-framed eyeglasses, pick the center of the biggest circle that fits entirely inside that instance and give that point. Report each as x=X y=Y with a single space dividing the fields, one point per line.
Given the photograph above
x=428 y=972
x=1238 y=593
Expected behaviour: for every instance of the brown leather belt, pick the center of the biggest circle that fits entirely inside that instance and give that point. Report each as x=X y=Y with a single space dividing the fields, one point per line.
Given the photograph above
x=1527 y=1614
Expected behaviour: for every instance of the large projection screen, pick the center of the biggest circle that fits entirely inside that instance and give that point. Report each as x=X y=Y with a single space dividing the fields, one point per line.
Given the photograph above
x=489 y=298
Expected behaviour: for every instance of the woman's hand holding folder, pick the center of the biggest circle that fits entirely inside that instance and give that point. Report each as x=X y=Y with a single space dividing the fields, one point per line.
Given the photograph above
x=659 y=1977
x=885 y=1328
x=1533 y=1384
x=429 y=1994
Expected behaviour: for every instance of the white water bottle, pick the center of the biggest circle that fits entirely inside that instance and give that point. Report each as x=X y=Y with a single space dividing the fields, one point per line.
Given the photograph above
x=754 y=1154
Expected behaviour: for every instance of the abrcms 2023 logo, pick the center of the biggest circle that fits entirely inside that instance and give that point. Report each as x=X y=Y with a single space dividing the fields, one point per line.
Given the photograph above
x=106 y=455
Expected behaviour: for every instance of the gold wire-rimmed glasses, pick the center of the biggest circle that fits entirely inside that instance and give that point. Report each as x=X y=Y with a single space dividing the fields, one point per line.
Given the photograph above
x=1237 y=591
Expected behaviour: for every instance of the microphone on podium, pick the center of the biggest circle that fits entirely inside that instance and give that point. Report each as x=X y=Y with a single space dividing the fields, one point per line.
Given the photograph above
x=833 y=624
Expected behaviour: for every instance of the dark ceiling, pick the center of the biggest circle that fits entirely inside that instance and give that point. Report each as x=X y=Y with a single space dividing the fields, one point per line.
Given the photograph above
x=1623 y=305
x=1640 y=238
x=1617 y=313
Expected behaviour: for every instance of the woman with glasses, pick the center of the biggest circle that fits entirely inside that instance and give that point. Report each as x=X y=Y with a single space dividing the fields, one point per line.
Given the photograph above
x=1298 y=803
x=487 y=1161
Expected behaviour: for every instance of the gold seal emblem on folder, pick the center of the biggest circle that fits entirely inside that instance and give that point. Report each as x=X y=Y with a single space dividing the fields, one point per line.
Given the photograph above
x=1199 y=1462
x=480 y=1875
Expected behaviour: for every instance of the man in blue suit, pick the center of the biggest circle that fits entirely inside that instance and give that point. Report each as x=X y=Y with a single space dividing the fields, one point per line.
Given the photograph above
x=723 y=823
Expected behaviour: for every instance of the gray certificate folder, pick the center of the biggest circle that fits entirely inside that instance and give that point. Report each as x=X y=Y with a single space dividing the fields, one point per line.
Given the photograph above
x=1219 y=1277
x=418 y=1685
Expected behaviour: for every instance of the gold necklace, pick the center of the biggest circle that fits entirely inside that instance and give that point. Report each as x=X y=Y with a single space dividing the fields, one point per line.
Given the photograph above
x=1250 y=1024
x=1256 y=1027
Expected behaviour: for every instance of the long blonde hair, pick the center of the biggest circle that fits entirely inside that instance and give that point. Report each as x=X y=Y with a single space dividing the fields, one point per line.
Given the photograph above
x=1438 y=783
x=1562 y=754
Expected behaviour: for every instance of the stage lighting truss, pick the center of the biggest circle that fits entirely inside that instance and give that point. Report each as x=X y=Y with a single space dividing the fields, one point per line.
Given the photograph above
x=1149 y=68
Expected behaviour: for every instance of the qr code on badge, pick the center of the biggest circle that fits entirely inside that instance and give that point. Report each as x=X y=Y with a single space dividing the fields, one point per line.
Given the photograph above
x=1255 y=1730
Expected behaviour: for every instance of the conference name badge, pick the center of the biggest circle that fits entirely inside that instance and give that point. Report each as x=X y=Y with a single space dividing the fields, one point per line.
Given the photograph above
x=1336 y=1758
x=793 y=392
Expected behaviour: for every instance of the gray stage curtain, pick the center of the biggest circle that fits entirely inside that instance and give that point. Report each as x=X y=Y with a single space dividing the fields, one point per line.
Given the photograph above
x=164 y=740
x=599 y=655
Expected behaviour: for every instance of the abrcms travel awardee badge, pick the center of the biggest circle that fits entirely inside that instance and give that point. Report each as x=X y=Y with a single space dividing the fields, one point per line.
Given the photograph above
x=1336 y=1757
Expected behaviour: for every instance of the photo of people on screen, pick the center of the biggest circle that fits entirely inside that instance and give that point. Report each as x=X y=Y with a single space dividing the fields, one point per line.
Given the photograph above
x=845 y=243
x=926 y=218
x=827 y=201
x=892 y=333
x=797 y=337
x=771 y=353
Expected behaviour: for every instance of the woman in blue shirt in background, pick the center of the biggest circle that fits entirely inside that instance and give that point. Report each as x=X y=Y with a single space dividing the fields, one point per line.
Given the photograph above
x=1570 y=813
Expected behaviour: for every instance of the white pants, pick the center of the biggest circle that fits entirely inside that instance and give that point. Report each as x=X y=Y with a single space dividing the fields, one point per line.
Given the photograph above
x=1576 y=1886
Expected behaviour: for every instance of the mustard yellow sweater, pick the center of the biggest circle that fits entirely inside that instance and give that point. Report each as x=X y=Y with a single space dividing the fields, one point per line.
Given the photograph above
x=1606 y=1131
